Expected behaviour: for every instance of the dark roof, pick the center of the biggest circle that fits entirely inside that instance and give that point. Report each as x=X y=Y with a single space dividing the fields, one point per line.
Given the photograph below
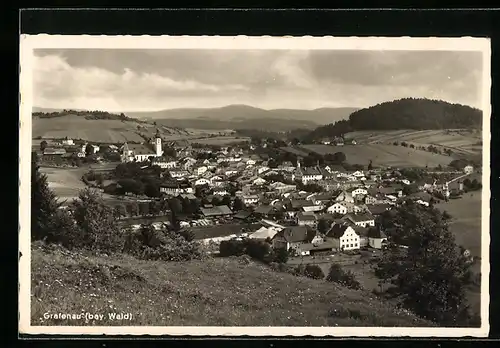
x=360 y=217
x=140 y=149
x=298 y=234
x=421 y=195
x=242 y=214
x=337 y=230
x=311 y=171
x=361 y=231
x=306 y=217
x=265 y=209
x=377 y=209
x=376 y=233
x=215 y=211
x=301 y=203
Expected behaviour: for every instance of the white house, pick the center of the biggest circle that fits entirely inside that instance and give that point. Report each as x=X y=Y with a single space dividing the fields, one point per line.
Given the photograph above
x=345 y=197
x=175 y=189
x=250 y=199
x=201 y=182
x=358 y=191
x=293 y=237
x=221 y=191
x=337 y=208
x=376 y=238
x=230 y=172
x=468 y=169
x=262 y=169
x=200 y=170
x=250 y=162
x=68 y=142
x=164 y=163
x=343 y=237
x=358 y=174
x=259 y=181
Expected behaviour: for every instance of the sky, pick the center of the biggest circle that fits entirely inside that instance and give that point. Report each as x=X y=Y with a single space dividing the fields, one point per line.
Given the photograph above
x=121 y=80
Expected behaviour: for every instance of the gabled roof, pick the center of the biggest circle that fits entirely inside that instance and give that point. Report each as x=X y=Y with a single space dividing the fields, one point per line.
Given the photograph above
x=337 y=230
x=217 y=210
x=376 y=233
x=360 y=217
x=377 y=209
x=295 y=234
x=301 y=203
x=306 y=216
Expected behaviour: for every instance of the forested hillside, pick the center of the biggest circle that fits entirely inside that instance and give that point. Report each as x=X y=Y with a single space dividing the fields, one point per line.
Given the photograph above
x=409 y=113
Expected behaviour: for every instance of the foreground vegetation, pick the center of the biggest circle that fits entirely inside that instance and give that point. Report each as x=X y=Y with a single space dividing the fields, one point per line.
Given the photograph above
x=196 y=293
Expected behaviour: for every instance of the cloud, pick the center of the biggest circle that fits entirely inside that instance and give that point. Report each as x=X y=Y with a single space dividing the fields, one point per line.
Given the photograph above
x=128 y=80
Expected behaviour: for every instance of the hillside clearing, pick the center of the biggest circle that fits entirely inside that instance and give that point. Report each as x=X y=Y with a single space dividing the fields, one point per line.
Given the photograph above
x=215 y=292
x=383 y=155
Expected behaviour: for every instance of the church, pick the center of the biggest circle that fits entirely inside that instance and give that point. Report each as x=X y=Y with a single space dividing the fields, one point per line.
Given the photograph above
x=142 y=152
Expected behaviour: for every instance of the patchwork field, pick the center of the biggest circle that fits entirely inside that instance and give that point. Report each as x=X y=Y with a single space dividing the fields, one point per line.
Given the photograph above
x=466 y=220
x=460 y=141
x=115 y=131
x=383 y=155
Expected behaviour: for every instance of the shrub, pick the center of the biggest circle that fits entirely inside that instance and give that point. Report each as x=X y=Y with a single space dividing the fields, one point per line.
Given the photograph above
x=337 y=275
x=314 y=271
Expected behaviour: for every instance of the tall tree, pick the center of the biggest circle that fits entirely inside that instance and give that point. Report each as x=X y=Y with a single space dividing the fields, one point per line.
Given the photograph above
x=43 y=145
x=48 y=221
x=430 y=276
x=98 y=227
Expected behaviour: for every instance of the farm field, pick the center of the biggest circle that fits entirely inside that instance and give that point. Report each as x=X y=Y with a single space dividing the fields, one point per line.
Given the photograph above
x=222 y=140
x=466 y=220
x=461 y=141
x=383 y=155
x=65 y=182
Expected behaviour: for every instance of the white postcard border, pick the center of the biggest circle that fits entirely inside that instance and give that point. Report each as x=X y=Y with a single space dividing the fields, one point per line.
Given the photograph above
x=31 y=42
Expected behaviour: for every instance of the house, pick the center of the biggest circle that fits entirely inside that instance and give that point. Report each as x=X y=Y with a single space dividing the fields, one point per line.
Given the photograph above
x=352 y=208
x=320 y=198
x=282 y=188
x=326 y=141
x=362 y=232
x=202 y=182
x=250 y=199
x=200 y=170
x=216 y=211
x=258 y=181
x=344 y=197
x=376 y=238
x=358 y=174
x=266 y=211
x=250 y=162
x=468 y=169
x=306 y=219
x=264 y=233
x=293 y=237
x=361 y=219
x=50 y=151
x=243 y=215
x=176 y=174
x=377 y=209
x=337 y=208
x=357 y=191
x=422 y=198
x=164 y=163
x=220 y=191
x=68 y=141
x=343 y=237
x=174 y=188
x=369 y=199
x=309 y=174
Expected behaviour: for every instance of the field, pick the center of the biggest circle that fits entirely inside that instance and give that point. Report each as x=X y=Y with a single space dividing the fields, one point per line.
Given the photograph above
x=65 y=182
x=383 y=155
x=463 y=142
x=220 y=140
x=214 y=292
x=466 y=220
x=114 y=131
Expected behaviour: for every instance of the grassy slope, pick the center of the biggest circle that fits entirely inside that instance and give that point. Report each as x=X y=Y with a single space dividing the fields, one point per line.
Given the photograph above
x=384 y=155
x=217 y=292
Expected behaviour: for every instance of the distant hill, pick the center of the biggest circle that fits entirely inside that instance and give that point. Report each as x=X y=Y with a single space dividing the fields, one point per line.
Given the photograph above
x=408 y=113
x=245 y=117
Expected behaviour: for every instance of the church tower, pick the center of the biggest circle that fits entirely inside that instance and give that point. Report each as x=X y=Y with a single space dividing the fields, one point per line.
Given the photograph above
x=159 y=151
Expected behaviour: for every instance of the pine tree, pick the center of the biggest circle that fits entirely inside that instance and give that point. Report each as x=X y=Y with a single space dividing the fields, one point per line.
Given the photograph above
x=48 y=221
x=430 y=276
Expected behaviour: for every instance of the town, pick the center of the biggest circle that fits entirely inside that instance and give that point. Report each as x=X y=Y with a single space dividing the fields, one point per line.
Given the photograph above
x=309 y=205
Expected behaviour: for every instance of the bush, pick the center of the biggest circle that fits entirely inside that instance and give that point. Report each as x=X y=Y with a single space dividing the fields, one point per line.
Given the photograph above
x=337 y=275
x=314 y=272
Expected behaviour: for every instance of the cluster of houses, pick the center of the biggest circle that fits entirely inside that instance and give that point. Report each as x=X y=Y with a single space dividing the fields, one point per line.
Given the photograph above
x=68 y=148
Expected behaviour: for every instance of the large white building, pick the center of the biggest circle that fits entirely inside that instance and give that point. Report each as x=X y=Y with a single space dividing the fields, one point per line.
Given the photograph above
x=141 y=152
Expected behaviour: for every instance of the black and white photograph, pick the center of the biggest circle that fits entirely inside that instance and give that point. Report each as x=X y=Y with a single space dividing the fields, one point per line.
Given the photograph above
x=262 y=186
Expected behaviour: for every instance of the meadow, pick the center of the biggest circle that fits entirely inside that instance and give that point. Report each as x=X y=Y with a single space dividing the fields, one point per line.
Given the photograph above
x=196 y=293
x=383 y=155
x=466 y=220
x=219 y=140
x=465 y=142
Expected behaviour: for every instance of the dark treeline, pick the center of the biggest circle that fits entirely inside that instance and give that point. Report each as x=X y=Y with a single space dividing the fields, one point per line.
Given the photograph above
x=89 y=115
x=408 y=113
